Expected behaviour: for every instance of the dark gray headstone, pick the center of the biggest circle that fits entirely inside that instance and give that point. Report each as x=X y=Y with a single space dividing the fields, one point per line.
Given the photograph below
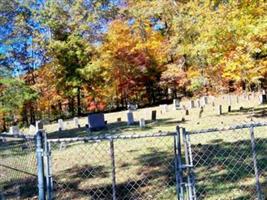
x=219 y=110
x=154 y=115
x=263 y=99
x=96 y=121
x=130 y=118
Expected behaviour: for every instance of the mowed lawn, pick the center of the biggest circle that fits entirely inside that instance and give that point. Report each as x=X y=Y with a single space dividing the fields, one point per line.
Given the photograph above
x=145 y=167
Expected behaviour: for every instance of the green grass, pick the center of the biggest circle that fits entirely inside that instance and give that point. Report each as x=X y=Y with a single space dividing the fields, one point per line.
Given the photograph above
x=145 y=167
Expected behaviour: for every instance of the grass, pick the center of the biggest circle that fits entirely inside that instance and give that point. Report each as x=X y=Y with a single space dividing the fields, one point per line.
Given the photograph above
x=145 y=167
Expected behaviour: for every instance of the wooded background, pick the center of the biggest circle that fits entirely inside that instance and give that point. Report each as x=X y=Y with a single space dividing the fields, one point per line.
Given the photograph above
x=65 y=58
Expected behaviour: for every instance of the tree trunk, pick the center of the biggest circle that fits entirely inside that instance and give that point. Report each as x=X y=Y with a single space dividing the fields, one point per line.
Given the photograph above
x=79 y=102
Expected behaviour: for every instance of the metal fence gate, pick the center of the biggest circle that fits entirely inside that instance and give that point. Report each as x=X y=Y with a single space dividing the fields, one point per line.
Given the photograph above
x=227 y=163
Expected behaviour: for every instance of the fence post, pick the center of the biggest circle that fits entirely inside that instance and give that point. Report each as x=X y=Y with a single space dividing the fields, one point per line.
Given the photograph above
x=112 y=155
x=48 y=168
x=40 y=165
x=178 y=164
x=254 y=157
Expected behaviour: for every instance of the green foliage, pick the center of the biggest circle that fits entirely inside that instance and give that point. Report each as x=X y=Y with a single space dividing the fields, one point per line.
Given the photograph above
x=14 y=94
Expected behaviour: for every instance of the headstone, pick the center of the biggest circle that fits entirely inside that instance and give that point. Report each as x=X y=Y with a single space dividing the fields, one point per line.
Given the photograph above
x=212 y=100
x=39 y=125
x=186 y=112
x=76 y=122
x=229 y=108
x=229 y=98
x=130 y=118
x=142 y=123
x=164 y=108
x=237 y=99
x=263 y=98
x=206 y=99
x=219 y=109
x=60 y=125
x=62 y=146
x=96 y=121
x=201 y=112
x=14 y=130
x=32 y=129
x=202 y=101
x=118 y=119
x=191 y=104
x=176 y=104
x=154 y=115
x=198 y=103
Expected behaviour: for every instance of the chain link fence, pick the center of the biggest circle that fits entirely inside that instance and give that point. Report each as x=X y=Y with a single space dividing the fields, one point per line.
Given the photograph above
x=18 y=178
x=228 y=163
x=114 y=168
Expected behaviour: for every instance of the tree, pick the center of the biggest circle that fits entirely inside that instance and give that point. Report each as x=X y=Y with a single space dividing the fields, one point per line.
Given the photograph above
x=14 y=93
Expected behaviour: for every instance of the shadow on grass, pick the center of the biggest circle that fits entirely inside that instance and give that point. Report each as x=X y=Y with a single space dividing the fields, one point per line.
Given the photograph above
x=227 y=168
x=259 y=112
x=20 y=188
x=155 y=175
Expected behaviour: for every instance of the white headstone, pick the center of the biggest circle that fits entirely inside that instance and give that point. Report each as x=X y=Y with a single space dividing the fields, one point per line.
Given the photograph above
x=164 y=108
x=14 y=130
x=62 y=146
x=142 y=123
x=237 y=99
x=198 y=103
x=130 y=118
x=76 y=122
x=229 y=99
x=176 y=104
x=202 y=101
x=212 y=100
x=191 y=104
x=60 y=125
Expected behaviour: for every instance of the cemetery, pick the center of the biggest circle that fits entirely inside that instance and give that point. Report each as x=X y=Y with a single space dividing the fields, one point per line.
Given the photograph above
x=213 y=112
x=133 y=100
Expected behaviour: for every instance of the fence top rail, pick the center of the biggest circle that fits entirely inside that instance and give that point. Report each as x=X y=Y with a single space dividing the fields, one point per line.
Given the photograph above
x=111 y=137
x=21 y=136
x=229 y=128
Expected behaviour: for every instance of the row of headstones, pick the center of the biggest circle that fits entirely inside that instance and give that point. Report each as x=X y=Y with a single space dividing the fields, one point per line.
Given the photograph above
x=14 y=130
x=205 y=100
x=142 y=124
x=192 y=104
x=97 y=121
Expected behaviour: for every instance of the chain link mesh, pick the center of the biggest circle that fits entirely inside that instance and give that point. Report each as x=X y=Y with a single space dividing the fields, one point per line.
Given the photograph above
x=223 y=163
x=144 y=169
x=18 y=179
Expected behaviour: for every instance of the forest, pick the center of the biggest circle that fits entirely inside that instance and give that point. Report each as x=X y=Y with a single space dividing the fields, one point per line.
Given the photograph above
x=65 y=58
